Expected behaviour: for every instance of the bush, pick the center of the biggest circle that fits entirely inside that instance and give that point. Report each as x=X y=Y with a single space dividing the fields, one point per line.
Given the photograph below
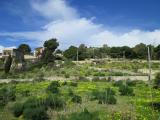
x=99 y=74
x=32 y=109
x=107 y=96
x=74 y=84
x=17 y=109
x=53 y=87
x=85 y=115
x=95 y=79
x=37 y=113
x=64 y=83
x=131 y=83
x=70 y=92
x=155 y=105
x=33 y=102
x=25 y=93
x=76 y=99
x=118 y=83
x=126 y=90
x=7 y=94
x=54 y=102
x=157 y=80
x=67 y=75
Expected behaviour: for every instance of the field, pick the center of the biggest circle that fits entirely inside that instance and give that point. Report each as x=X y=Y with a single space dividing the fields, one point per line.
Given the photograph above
x=86 y=91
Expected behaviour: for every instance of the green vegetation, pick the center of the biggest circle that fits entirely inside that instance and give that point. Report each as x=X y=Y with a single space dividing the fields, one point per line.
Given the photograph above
x=24 y=48
x=94 y=89
x=106 y=97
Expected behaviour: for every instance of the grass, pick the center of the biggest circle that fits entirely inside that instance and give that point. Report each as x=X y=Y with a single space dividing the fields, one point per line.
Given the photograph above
x=84 y=89
x=132 y=106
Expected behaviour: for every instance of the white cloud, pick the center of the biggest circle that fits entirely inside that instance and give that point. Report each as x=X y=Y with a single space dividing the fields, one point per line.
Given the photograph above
x=57 y=9
x=70 y=29
x=1 y=48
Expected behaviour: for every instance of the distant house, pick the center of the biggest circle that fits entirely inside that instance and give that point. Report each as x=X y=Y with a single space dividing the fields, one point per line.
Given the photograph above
x=8 y=51
x=38 y=52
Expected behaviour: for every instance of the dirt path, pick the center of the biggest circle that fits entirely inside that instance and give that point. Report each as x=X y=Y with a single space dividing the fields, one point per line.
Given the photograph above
x=54 y=78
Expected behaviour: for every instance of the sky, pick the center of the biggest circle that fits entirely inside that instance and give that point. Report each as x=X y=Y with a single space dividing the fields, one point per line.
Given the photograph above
x=73 y=22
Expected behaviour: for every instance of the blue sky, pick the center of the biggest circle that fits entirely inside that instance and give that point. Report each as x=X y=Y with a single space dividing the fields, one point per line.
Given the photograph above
x=72 y=22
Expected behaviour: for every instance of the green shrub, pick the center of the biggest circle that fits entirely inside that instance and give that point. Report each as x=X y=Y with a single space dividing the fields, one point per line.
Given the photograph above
x=54 y=102
x=157 y=80
x=131 y=82
x=70 y=92
x=67 y=75
x=95 y=79
x=25 y=93
x=85 y=115
x=53 y=87
x=76 y=99
x=100 y=74
x=17 y=109
x=63 y=72
x=33 y=102
x=7 y=94
x=37 y=113
x=64 y=83
x=126 y=90
x=155 y=105
x=118 y=83
x=74 y=84
x=107 y=96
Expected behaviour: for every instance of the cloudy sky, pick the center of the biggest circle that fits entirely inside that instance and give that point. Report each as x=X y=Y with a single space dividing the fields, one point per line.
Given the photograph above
x=72 y=22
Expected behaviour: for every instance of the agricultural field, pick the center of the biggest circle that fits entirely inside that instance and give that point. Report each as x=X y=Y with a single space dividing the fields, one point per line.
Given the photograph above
x=86 y=91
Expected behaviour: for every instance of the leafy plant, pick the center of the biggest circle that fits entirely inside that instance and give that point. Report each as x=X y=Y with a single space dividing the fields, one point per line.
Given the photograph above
x=107 y=96
x=74 y=84
x=126 y=90
x=54 y=102
x=118 y=83
x=17 y=109
x=53 y=87
x=85 y=115
x=7 y=94
x=37 y=113
x=76 y=99
x=157 y=80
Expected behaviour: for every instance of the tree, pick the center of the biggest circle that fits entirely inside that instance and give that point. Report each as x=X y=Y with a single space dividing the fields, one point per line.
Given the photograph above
x=71 y=53
x=141 y=51
x=49 y=48
x=82 y=52
x=8 y=63
x=129 y=53
x=59 y=51
x=24 y=48
x=157 y=52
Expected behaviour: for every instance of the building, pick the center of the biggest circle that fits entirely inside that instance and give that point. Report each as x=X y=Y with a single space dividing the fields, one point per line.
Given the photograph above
x=38 y=52
x=8 y=51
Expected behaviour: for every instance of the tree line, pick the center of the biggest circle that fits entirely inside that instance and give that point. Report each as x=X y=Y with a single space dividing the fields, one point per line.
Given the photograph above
x=137 y=52
x=83 y=52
